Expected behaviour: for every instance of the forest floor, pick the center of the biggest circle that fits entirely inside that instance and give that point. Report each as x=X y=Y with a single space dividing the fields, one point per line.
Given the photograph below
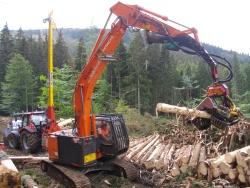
x=171 y=129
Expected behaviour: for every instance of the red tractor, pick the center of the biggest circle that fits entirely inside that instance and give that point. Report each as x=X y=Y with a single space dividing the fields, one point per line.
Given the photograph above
x=25 y=131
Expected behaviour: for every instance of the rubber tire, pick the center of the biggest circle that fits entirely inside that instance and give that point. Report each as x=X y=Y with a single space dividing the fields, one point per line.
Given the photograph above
x=30 y=142
x=12 y=141
x=6 y=132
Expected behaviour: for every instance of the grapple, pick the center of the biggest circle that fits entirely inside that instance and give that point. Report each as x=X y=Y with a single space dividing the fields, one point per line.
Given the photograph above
x=220 y=106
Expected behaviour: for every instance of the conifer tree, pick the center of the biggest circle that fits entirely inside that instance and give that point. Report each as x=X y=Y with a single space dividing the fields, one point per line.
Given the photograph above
x=18 y=86
x=21 y=45
x=247 y=74
x=138 y=82
x=61 y=54
x=64 y=83
x=6 y=49
x=238 y=79
x=81 y=55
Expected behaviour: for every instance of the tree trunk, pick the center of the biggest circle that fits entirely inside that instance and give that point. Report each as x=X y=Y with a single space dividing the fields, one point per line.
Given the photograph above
x=161 y=107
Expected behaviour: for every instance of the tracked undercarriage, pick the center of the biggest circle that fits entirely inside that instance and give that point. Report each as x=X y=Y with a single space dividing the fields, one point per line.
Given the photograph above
x=77 y=177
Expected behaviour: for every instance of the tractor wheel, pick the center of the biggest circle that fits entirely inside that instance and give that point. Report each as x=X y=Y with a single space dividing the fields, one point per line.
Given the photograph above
x=12 y=141
x=30 y=142
x=6 y=132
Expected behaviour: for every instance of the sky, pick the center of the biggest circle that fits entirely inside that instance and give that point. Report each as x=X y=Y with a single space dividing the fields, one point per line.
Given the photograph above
x=223 y=23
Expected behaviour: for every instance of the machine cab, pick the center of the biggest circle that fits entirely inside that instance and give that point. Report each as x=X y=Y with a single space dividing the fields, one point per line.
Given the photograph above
x=112 y=136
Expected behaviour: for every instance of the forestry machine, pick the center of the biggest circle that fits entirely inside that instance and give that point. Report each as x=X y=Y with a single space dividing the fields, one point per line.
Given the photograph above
x=95 y=141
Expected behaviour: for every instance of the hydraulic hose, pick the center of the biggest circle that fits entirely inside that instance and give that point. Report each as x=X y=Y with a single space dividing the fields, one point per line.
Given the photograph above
x=185 y=42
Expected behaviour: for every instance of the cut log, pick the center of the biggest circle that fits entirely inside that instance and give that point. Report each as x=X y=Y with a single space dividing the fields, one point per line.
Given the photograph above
x=186 y=154
x=202 y=168
x=247 y=161
x=27 y=159
x=240 y=169
x=160 y=163
x=240 y=159
x=225 y=167
x=231 y=156
x=149 y=152
x=216 y=172
x=178 y=159
x=242 y=178
x=137 y=149
x=168 y=157
x=233 y=174
x=168 y=147
x=217 y=161
x=161 y=107
x=176 y=154
x=184 y=168
x=66 y=122
x=136 y=143
x=194 y=159
x=7 y=163
x=143 y=151
x=203 y=154
x=150 y=162
x=175 y=171
x=195 y=156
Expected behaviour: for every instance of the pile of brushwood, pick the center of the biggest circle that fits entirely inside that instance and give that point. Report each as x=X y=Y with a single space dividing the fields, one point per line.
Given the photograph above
x=219 y=156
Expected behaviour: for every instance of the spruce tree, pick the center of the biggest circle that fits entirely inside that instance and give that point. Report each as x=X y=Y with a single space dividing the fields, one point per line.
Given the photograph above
x=64 y=83
x=61 y=54
x=238 y=79
x=81 y=55
x=247 y=74
x=120 y=71
x=138 y=82
x=18 y=86
x=6 y=49
x=202 y=75
x=21 y=45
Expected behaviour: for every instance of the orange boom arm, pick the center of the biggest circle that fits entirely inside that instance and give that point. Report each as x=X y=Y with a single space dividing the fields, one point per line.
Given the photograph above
x=127 y=16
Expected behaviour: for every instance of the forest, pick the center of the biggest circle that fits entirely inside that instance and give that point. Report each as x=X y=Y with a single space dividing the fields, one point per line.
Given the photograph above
x=141 y=77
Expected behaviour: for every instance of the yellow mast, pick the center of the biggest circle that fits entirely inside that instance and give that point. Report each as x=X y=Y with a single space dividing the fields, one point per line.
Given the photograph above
x=50 y=59
x=51 y=110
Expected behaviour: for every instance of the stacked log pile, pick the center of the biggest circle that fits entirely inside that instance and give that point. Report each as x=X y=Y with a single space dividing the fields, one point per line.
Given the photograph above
x=153 y=152
x=233 y=166
x=156 y=153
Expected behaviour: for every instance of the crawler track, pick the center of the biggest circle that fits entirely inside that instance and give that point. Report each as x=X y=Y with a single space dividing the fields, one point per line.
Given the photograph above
x=67 y=176
x=125 y=169
x=74 y=178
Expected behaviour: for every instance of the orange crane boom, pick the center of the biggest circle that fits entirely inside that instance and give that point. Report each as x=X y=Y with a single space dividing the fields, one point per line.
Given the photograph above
x=127 y=16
